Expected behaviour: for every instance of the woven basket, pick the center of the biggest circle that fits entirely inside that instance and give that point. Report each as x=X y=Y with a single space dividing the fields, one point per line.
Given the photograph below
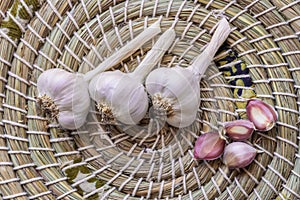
x=261 y=59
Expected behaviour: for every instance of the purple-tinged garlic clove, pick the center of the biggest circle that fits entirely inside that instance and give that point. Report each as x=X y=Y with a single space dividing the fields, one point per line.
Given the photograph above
x=209 y=146
x=238 y=155
x=262 y=115
x=239 y=130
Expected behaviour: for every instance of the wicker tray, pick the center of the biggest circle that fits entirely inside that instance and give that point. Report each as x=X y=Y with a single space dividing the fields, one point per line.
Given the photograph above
x=261 y=59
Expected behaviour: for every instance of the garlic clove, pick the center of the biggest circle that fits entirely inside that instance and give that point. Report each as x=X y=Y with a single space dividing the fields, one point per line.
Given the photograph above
x=174 y=91
x=238 y=155
x=119 y=97
x=209 y=146
x=239 y=130
x=262 y=115
x=63 y=95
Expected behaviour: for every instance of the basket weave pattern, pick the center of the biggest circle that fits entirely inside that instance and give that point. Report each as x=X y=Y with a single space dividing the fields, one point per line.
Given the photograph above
x=41 y=161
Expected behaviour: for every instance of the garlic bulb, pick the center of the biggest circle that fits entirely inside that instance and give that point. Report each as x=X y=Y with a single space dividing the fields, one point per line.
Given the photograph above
x=63 y=95
x=176 y=91
x=121 y=96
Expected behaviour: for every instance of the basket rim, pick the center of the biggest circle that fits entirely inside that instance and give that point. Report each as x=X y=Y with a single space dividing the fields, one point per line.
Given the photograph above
x=61 y=34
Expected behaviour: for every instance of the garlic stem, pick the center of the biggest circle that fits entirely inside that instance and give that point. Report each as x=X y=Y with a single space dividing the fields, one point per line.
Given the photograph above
x=126 y=50
x=154 y=55
x=201 y=63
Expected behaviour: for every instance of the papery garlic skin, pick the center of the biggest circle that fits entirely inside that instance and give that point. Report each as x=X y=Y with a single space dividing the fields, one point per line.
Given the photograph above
x=209 y=146
x=263 y=115
x=239 y=130
x=176 y=92
x=125 y=96
x=69 y=94
x=238 y=155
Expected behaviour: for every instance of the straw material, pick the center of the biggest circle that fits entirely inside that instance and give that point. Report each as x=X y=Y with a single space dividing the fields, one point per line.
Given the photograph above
x=260 y=59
